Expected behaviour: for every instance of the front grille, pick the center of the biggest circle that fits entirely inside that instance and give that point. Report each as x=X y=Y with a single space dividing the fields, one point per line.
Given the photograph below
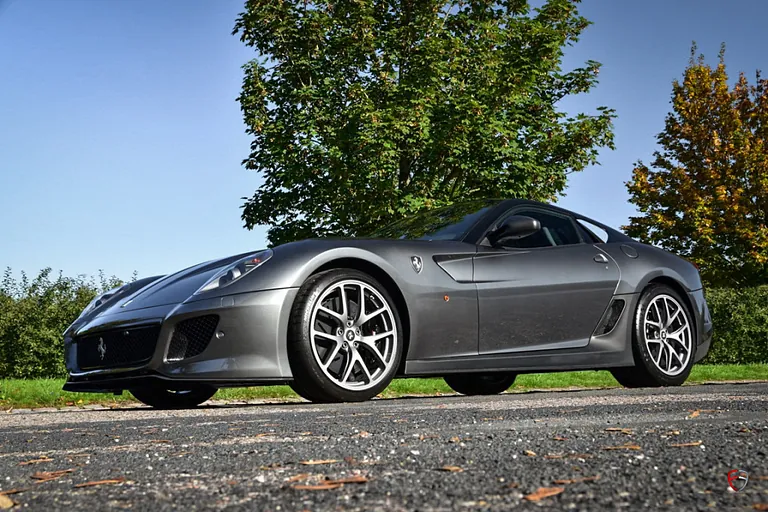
x=117 y=348
x=191 y=337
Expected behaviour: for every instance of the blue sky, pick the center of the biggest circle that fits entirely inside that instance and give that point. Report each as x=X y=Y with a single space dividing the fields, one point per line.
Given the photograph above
x=121 y=140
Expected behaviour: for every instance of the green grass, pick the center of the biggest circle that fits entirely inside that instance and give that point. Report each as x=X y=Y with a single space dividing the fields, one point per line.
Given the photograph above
x=47 y=392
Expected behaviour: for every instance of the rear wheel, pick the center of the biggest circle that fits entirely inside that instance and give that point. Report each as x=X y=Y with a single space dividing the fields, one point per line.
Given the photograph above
x=345 y=338
x=173 y=399
x=663 y=341
x=480 y=383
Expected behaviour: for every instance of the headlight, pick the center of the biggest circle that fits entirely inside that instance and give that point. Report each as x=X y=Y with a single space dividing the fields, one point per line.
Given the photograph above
x=235 y=271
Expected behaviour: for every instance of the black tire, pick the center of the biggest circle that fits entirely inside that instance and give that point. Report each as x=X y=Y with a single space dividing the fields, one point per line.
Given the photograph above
x=480 y=383
x=169 y=399
x=309 y=380
x=645 y=373
x=298 y=388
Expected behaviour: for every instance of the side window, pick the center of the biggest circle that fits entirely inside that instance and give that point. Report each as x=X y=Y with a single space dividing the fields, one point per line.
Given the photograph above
x=555 y=230
x=589 y=231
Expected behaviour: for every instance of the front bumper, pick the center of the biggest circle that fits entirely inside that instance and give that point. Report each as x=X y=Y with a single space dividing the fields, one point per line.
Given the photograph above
x=252 y=349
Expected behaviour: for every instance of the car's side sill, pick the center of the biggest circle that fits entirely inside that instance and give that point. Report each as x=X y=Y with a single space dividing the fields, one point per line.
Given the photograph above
x=580 y=359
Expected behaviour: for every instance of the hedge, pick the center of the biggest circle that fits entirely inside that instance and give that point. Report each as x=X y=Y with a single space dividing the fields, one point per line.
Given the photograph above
x=740 y=317
x=34 y=314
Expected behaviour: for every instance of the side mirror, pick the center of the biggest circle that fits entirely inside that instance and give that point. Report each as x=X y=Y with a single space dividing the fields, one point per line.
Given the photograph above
x=514 y=228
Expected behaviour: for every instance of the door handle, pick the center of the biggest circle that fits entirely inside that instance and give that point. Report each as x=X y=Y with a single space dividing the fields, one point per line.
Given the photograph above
x=600 y=258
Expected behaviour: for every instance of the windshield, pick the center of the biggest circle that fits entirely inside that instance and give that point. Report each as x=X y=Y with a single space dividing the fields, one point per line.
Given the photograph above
x=448 y=223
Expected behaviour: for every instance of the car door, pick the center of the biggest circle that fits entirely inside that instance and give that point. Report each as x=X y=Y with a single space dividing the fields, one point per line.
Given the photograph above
x=545 y=291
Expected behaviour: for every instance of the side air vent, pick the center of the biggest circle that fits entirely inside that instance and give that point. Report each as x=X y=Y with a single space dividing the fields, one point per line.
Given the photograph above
x=610 y=318
x=191 y=337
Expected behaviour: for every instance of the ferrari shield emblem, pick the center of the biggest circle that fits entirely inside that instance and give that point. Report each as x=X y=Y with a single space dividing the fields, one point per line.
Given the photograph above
x=416 y=263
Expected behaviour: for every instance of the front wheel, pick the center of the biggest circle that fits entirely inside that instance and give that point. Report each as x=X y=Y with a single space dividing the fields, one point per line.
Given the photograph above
x=171 y=399
x=480 y=383
x=663 y=341
x=345 y=338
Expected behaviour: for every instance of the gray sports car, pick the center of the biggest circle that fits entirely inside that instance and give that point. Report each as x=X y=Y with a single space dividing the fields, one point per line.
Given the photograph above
x=475 y=293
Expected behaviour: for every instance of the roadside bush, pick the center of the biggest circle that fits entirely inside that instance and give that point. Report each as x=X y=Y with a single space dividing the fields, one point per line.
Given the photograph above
x=33 y=316
x=740 y=317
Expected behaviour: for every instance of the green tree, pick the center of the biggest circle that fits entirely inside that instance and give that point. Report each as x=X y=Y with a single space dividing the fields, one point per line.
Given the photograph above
x=365 y=111
x=705 y=195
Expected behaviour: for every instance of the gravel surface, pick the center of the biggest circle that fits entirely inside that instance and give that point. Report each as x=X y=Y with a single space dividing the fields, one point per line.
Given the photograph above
x=664 y=449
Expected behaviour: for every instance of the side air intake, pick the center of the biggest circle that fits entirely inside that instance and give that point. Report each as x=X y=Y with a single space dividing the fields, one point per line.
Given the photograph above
x=191 y=337
x=610 y=318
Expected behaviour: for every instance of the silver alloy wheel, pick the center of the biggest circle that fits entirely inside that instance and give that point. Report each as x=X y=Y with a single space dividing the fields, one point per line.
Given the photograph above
x=354 y=346
x=668 y=335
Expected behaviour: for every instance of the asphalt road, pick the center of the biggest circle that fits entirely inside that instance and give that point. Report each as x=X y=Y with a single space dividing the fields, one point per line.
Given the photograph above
x=674 y=452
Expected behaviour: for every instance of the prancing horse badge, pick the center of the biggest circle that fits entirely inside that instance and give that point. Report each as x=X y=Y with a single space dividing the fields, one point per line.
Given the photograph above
x=416 y=263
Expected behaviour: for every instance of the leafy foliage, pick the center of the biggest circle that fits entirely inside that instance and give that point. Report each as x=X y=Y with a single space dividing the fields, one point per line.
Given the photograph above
x=363 y=112
x=740 y=317
x=705 y=195
x=34 y=314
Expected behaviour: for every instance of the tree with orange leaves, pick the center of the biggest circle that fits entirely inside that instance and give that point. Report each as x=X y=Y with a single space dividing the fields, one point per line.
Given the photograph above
x=705 y=195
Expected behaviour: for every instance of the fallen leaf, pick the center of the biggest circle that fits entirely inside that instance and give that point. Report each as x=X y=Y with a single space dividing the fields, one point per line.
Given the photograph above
x=6 y=502
x=530 y=453
x=43 y=458
x=14 y=491
x=697 y=412
x=45 y=476
x=400 y=421
x=554 y=456
x=578 y=480
x=762 y=477
x=317 y=487
x=357 y=479
x=454 y=439
x=305 y=433
x=673 y=433
x=316 y=462
x=627 y=431
x=160 y=441
x=452 y=469
x=424 y=436
x=760 y=506
x=298 y=478
x=558 y=438
x=362 y=434
x=544 y=492
x=681 y=445
x=627 y=446
x=265 y=434
x=101 y=482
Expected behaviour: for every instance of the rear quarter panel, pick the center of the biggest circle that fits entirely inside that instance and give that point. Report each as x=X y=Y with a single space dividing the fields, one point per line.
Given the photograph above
x=650 y=264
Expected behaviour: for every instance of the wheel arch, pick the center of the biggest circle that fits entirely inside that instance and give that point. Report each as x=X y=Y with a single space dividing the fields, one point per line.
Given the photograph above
x=389 y=285
x=683 y=293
